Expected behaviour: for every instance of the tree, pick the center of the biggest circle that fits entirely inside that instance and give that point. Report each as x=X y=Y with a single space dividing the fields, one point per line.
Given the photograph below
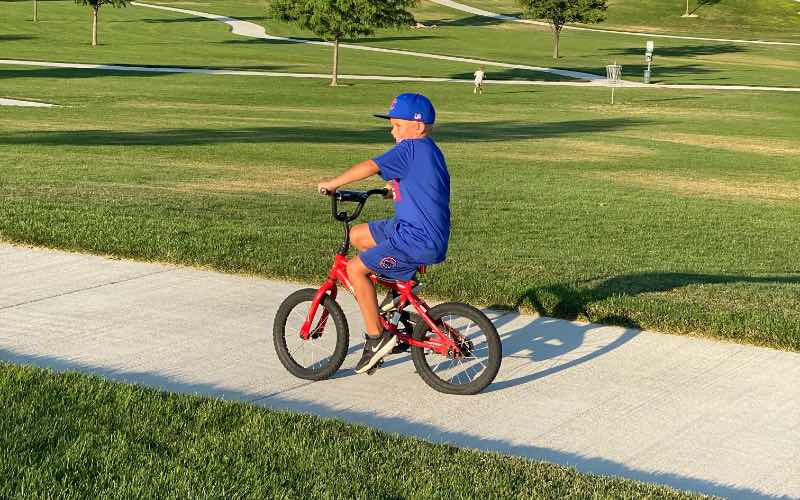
x=95 y=5
x=336 y=20
x=560 y=12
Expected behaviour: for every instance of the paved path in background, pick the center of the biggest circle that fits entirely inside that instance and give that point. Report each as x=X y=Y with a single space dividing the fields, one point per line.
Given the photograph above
x=212 y=71
x=253 y=30
x=485 y=13
x=707 y=416
x=27 y=104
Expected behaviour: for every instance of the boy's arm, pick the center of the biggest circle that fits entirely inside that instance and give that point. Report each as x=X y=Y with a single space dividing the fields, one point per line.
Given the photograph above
x=357 y=172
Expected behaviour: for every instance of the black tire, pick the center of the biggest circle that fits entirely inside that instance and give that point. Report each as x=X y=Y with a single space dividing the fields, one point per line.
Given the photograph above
x=490 y=363
x=299 y=303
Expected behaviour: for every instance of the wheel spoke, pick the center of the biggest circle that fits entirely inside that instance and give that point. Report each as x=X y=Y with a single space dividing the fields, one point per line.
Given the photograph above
x=472 y=340
x=311 y=353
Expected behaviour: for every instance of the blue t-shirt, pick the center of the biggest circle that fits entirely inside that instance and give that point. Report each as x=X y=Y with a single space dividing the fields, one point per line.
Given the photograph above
x=422 y=198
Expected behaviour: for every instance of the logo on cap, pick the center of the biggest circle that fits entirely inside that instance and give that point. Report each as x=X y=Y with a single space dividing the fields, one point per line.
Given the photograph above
x=393 y=104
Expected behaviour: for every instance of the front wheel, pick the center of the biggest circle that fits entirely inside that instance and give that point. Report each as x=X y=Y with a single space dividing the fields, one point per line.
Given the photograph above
x=477 y=338
x=323 y=353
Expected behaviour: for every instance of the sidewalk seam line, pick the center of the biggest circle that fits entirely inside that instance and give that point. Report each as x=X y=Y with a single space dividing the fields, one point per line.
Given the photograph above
x=33 y=301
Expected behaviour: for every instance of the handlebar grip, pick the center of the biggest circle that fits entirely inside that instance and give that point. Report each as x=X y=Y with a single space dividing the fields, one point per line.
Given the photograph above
x=359 y=197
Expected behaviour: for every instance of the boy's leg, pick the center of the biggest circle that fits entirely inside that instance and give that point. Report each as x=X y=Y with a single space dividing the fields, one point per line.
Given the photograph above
x=378 y=343
x=361 y=237
x=365 y=295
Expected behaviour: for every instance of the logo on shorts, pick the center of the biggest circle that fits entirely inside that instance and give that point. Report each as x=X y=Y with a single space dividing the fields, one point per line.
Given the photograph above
x=387 y=262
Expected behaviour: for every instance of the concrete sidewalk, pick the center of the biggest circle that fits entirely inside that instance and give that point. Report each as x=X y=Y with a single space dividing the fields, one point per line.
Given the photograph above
x=694 y=414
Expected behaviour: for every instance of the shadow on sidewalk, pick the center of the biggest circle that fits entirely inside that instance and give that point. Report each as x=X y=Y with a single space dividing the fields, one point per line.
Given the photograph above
x=546 y=346
x=534 y=349
x=401 y=425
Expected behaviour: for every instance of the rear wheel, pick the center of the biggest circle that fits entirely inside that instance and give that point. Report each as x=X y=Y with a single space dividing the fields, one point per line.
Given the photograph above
x=323 y=353
x=481 y=351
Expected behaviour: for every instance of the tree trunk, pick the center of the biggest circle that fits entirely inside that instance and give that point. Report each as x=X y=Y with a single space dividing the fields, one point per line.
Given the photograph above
x=94 y=26
x=556 y=37
x=35 y=11
x=334 y=73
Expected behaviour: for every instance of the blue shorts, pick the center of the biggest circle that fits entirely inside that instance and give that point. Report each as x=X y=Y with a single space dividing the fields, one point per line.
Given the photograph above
x=384 y=259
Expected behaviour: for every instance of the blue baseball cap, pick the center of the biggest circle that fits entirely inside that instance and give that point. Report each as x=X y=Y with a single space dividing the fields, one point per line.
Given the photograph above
x=414 y=107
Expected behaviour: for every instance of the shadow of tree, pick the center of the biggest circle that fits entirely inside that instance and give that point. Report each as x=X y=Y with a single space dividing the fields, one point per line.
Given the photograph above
x=12 y=38
x=666 y=99
x=636 y=70
x=474 y=20
x=301 y=39
x=684 y=50
x=66 y=73
x=69 y=73
x=271 y=41
x=517 y=74
x=401 y=38
x=193 y=19
x=704 y=3
x=494 y=131
x=571 y=300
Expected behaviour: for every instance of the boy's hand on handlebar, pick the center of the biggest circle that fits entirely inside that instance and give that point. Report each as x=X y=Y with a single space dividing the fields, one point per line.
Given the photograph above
x=389 y=191
x=326 y=188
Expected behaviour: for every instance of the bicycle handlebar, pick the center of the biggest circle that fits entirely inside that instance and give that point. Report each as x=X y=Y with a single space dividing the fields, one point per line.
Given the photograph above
x=359 y=197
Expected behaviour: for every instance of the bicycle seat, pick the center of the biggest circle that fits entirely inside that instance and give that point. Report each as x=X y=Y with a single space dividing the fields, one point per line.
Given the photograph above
x=413 y=280
x=381 y=277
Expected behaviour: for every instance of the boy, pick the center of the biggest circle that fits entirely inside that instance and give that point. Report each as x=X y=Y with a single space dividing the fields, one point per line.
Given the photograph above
x=419 y=231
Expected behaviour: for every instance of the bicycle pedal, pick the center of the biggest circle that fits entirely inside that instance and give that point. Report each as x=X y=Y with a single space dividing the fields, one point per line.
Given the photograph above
x=400 y=348
x=372 y=370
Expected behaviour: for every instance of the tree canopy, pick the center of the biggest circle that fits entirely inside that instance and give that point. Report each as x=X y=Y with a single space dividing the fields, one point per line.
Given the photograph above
x=560 y=12
x=336 y=20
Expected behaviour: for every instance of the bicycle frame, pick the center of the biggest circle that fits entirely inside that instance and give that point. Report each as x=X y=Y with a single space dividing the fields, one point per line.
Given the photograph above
x=440 y=344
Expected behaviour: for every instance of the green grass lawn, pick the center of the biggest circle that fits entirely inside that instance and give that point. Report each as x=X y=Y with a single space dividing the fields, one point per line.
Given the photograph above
x=83 y=437
x=676 y=61
x=143 y=36
x=137 y=35
x=776 y=20
x=675 y=211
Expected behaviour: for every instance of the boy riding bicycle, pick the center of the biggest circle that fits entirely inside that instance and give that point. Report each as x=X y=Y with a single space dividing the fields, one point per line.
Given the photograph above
x=418 y=233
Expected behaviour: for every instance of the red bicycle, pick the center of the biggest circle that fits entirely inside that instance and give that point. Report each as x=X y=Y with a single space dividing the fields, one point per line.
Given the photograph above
x=455 y=347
